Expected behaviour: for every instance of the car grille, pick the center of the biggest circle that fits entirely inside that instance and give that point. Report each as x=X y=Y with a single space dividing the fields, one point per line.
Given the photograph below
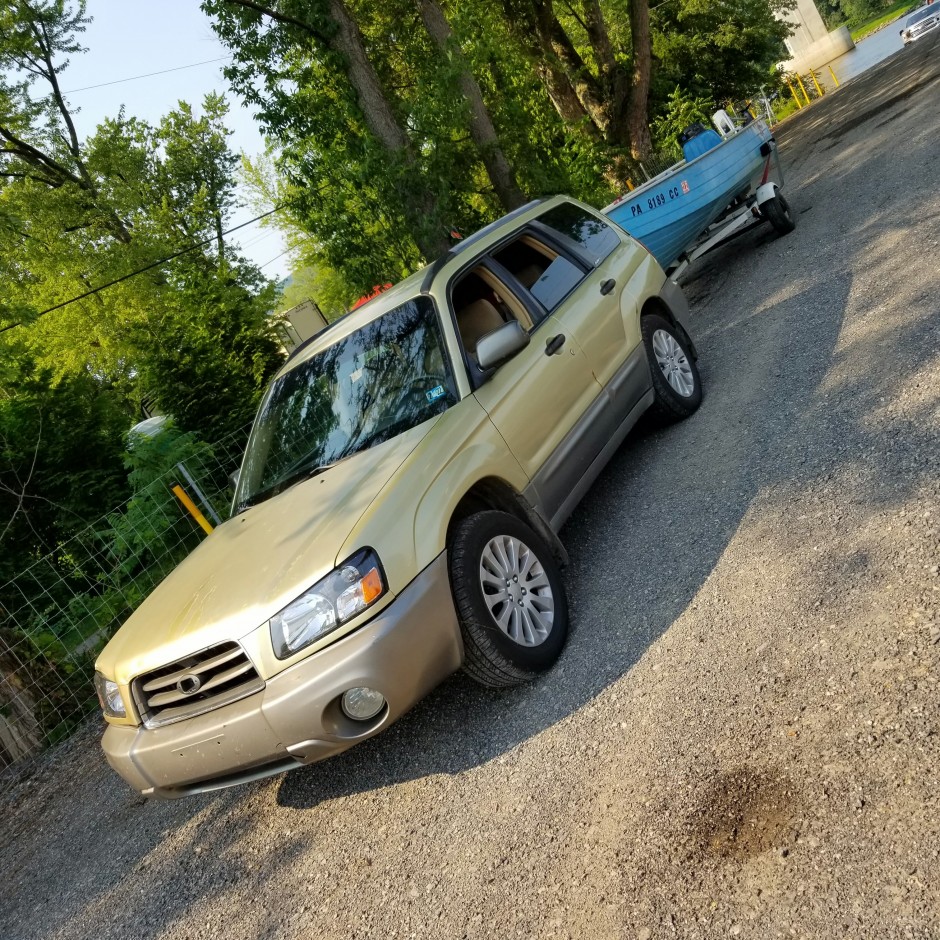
x=194 y=685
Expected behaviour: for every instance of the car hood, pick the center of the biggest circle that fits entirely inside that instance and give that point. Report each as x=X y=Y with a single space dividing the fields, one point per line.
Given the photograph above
x=254 y=564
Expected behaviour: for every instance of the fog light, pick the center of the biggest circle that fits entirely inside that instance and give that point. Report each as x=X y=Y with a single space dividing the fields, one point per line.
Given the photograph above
x=361 y=704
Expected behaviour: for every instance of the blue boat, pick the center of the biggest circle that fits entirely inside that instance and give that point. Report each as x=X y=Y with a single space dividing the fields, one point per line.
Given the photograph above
x=721 y=176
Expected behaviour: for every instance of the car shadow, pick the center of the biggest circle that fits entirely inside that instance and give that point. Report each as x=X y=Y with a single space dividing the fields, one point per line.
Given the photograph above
x=641 y=545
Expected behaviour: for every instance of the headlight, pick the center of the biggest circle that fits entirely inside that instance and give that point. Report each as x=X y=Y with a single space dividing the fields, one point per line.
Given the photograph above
x=343 y=593
x=109 y=695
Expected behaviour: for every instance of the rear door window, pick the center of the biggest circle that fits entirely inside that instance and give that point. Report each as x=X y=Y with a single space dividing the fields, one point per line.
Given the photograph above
x=592 y=235
x=548 y=275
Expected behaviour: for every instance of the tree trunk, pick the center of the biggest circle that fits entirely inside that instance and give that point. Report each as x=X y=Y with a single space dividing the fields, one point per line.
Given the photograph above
x=638 y=107
x=376 y=108
x=557 y=45
x=520 y=18
x=614 y=79
x=482 y=130
x=563 y=97
x=421 y=212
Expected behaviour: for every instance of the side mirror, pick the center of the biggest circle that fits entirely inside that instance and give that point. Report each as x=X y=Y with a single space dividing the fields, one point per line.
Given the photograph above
x=501 y=344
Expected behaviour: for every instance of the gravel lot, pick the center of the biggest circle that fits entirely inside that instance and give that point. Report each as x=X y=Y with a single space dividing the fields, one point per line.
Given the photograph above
x=741 y=737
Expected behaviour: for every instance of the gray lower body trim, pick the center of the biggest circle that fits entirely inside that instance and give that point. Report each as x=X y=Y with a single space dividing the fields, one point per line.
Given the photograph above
x=568 y=474
x=600 y=461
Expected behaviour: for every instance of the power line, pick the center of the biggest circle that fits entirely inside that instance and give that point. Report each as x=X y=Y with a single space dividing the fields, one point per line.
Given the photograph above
x=278 y=255
x=134 y=78
x=149 y=267
x=255 y=239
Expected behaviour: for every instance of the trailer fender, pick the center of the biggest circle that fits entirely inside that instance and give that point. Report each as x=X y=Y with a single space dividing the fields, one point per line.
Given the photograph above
x=766 y=192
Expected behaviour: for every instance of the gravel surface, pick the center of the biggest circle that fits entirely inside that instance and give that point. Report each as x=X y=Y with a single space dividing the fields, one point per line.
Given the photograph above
x=741 y=737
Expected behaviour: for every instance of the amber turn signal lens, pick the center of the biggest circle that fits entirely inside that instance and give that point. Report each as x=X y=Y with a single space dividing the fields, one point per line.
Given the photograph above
x=371 y=585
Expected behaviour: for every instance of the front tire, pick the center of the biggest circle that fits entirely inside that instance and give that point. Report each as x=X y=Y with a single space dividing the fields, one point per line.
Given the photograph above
x=778 y=214
x=509 y=597
x=677 y=384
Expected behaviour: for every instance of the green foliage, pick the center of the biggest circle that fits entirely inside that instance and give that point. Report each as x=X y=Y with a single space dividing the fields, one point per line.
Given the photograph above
x=61 y=451
x=858 y=11
x=720 y=51
x=681 y=111
x=77 y=213
x=141 y=535
x=320 y=283
x=213 y=350
x=862 y=23
x=194 y=333
x=346 y=196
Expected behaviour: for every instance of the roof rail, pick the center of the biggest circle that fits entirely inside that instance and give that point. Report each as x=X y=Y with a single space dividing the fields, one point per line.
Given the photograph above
x=472 y=239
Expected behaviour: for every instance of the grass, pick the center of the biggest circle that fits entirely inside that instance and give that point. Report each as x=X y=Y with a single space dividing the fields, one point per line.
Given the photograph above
x=781 y=112
x=892 y=13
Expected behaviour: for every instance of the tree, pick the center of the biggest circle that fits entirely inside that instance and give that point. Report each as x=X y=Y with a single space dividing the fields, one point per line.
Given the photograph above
x=594 y=84
x=35 y=35
x=482 y=129
x=286 y=39
x=75 y=214
x=468 y=100
x=61 y=449
x=723 y=51
x=213 y=350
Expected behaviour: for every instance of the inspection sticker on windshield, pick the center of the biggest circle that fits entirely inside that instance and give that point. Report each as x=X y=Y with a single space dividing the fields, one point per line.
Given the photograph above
x=435 y=393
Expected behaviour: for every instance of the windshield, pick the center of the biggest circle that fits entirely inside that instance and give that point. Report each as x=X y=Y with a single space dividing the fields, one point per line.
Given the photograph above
x=919 y=15
x=368 y=387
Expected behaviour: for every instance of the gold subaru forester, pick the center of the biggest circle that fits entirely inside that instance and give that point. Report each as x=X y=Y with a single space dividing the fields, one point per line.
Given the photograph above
x=396 y=510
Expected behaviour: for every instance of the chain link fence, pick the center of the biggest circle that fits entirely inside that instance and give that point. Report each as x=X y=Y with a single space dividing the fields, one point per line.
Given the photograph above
x=57 y=614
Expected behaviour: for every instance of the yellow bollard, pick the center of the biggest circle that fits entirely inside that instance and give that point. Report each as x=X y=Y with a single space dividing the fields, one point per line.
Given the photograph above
x=796 y=97
x=819 y=90
x=802 y=87
x=183 y=497
x=833 y=74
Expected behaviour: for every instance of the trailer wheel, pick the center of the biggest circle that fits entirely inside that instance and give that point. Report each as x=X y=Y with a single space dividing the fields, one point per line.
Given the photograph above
x=778 y=214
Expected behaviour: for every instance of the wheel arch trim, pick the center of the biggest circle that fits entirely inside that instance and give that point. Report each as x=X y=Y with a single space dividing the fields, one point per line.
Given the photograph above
x=493 y=492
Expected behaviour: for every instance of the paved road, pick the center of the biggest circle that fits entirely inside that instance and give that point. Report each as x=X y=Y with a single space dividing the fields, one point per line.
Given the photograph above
x=741 y=737
x=867 y=53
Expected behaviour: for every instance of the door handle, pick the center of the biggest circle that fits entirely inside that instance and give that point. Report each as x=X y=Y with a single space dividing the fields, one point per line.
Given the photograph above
x=554 y=344
x=608 y=285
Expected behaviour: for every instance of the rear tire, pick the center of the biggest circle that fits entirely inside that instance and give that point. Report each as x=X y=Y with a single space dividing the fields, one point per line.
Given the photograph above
x=509 y=597
x=778 y=214
x=677 y=384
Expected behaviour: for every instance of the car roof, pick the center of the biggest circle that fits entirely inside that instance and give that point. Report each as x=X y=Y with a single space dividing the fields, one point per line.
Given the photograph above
x=421 y=282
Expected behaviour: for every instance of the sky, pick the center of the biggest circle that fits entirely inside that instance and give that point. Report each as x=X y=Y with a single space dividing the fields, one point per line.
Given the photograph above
x=129 y=38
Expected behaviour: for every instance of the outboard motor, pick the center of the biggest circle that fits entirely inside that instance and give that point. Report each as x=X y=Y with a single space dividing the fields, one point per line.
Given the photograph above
x=722 y=121
x=696 y=140
x=743 y=109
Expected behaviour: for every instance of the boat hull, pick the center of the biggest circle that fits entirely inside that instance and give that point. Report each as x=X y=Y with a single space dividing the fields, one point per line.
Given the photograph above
x=671 y=211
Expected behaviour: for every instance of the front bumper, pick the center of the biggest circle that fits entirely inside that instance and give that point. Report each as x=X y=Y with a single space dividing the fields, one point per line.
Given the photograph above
x=408 y=648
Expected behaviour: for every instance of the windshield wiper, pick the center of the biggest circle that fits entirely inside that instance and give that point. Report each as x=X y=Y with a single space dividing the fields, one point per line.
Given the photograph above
x=293 y=476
